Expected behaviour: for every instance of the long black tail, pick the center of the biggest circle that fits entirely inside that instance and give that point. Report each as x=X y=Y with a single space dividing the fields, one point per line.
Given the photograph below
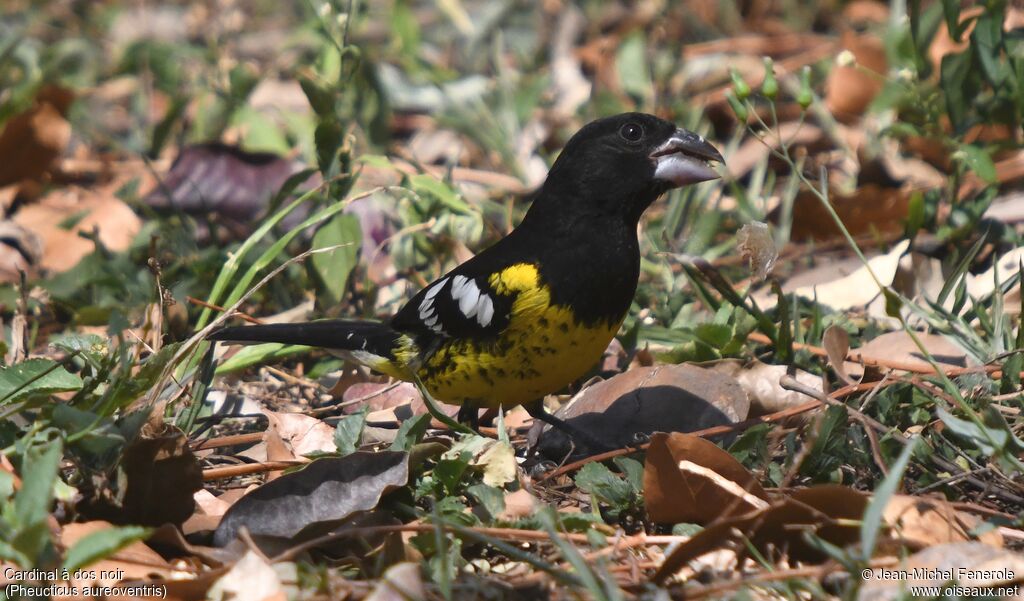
x=336 y=334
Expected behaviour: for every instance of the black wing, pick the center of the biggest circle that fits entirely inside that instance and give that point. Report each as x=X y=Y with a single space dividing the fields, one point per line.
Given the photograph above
x=460 y=305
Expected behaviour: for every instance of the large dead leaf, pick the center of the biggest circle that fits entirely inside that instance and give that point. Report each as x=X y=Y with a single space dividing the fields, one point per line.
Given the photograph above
x=227 y=182
x=136 y=562
x=761 y=383
x=898 y=347
x=32 y=140
x=851 y=291
x=643 y=400
x=829 y=511
x=302 y=433
x=922 y=522
x=91 y=210
x=849 y=89
x=378 y=395
x=673 y=495
x=869 y=210
x=315 y=498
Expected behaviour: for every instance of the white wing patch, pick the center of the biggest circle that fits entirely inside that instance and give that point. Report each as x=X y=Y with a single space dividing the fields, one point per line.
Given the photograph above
x=427 y=313
x=472 y=301
x=484 y=310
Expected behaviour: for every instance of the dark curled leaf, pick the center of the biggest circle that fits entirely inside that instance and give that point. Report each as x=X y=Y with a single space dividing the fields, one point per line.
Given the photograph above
x=317 y=497
x=226 y=182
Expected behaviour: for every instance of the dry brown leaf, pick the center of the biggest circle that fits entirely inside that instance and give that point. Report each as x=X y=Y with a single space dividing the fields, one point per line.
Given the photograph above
x=672 y=495
x=761 y=383
x=857 y=289
x=830 y=511
x=837 y=344
x=942 y=44
x=303 y=433
x=923 y=522
x=101 y=211
x=898 y=346
x=850 y=89
x=134 y=562
x=973 y=564
x=32 y=140
x=662 y=398
x=870 y=209
x=379 y=395
x=209 y=510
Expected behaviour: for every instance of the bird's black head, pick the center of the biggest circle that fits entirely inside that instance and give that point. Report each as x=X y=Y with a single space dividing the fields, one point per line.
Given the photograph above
x=619 y=165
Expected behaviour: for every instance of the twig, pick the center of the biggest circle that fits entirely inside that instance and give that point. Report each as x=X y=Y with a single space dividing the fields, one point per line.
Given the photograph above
x=228 y=441
x=219 y=309
x=245 y=469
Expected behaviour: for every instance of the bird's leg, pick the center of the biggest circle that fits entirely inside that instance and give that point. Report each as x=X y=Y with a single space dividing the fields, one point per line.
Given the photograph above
x=469 y=414
x=580 y=437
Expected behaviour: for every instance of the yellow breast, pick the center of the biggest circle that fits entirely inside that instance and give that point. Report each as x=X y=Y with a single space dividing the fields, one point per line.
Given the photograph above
x=542 y=350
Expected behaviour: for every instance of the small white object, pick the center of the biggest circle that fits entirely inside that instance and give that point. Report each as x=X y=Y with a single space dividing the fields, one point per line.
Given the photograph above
x=484 y=310
x=468 y=300
x=433 y=290
x=427 y=304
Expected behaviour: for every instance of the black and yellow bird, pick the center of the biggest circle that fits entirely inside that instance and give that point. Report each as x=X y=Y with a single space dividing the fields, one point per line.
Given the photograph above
x=536 y=310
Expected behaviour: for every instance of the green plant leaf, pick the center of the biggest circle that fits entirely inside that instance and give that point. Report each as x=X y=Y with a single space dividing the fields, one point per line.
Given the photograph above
x=349 y=430
x=491 y=498
x=410 y=432
x=102 y=543
x=32 y=502
x=634 y=472
x=631 y=65
x=953 y=75
x=980 y=163
x=334 y=267
x=35 y=376
x=598 y=480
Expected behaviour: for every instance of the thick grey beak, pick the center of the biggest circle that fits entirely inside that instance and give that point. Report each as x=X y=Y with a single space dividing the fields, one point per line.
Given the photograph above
x=683 y=159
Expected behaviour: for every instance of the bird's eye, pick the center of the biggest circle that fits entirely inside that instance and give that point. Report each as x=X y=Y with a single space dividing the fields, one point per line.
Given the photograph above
x=631 y=132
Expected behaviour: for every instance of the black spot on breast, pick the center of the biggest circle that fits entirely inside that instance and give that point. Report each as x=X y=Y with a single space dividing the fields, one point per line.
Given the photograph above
x=543 y=322
x=564 y=328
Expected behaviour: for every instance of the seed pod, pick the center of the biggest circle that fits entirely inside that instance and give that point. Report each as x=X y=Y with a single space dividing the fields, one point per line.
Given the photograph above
x=737 y=106
x=739 y=85
x=805 y=96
